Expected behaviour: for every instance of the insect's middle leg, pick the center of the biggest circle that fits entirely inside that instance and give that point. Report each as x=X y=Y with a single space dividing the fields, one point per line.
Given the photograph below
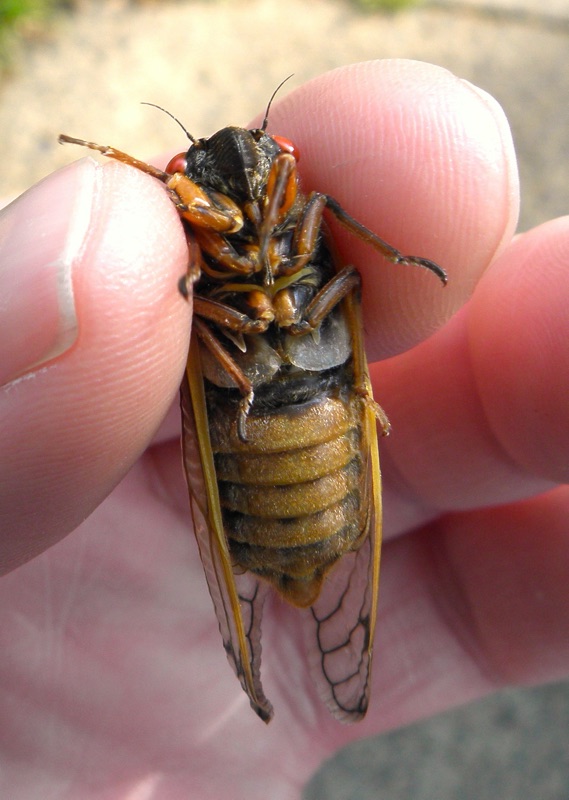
x=242 y=382
x=227 y=317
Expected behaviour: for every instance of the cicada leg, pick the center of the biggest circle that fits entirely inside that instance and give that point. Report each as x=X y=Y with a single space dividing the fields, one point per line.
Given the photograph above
x=280 y=195
x=391 y=253
x=228 y=317
x=345 y=285
x=118 y=155
x=212 y=210
x=309 y=226
x=345 y=282
x=225 y=255
x=237 y=375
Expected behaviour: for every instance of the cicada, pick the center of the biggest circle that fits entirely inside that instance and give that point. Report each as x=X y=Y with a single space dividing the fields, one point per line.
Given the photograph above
x=280 y=443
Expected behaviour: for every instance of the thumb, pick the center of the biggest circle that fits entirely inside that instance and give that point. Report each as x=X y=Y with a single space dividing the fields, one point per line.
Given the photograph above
x=93 y=341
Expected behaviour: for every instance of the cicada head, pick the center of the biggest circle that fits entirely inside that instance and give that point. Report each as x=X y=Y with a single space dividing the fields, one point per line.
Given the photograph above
x=234 y=161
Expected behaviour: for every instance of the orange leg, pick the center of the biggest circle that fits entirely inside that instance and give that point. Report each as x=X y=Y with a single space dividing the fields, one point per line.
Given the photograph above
x=340 y=286
x=241 y=380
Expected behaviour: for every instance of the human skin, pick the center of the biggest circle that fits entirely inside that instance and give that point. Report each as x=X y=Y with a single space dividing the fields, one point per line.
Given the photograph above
x=113 y=681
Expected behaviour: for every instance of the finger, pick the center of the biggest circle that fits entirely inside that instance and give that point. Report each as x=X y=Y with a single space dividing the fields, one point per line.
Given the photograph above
x=95 y=335
x=517 y=329
x=423 y=159
x=477 y=604
x=479 y=411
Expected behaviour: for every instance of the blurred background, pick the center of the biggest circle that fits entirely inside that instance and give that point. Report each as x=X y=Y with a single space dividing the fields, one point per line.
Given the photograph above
x=83 y=67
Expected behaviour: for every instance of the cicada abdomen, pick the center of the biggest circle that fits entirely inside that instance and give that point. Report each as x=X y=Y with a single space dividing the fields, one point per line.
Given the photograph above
x=279 y=424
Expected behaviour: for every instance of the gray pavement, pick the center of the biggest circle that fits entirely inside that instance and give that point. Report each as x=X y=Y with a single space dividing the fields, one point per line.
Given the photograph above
x=216 y=63
x=512 y=746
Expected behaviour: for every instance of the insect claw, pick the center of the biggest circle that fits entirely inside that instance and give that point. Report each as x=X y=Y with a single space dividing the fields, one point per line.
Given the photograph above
x=426 y=264
x=376 y=410
x=244 y=408
x=183 y=286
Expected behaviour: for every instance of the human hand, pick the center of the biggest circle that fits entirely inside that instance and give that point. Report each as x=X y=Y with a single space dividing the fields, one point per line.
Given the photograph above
x=114 y=683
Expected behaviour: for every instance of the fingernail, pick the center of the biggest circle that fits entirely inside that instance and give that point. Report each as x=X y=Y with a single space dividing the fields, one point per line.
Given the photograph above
x=41 y=237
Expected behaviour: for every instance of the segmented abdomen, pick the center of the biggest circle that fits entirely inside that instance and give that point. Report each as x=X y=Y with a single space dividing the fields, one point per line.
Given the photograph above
x=291 y=493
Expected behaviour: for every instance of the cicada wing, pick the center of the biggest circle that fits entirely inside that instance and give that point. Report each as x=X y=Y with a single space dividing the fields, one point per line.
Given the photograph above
x=343 y=617
x=342 y=620
x=237 y=599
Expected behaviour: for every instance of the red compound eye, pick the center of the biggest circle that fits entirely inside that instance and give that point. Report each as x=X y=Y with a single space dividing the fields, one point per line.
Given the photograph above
x=287 y=146
x=177 y=164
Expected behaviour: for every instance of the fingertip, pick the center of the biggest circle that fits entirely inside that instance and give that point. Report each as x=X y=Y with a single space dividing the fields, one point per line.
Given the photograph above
x=133 y=322
x=402 y=134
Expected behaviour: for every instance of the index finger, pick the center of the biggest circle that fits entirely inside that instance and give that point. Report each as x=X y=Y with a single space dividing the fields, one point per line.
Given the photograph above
x=423 y=159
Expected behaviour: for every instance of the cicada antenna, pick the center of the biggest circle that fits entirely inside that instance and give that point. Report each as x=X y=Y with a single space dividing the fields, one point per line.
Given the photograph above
x=188 y=134
x=266 y=119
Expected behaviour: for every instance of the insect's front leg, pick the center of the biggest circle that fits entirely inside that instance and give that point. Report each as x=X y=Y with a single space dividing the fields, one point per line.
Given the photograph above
x=224 y=254
x=305 y=239
x=309 y=226
x=118 y=155
x=308 y=230
x=280 y=194
x=211 y=210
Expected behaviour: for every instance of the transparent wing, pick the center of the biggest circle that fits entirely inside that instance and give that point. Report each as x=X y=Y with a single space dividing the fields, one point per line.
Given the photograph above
x=342 y=620
x=237 y=599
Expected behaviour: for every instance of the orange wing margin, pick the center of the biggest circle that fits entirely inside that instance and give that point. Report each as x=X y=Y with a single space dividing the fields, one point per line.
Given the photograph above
x=237 y=599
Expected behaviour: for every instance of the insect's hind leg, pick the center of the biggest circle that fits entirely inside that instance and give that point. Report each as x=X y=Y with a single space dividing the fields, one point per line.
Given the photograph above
x=375 y=241
x=239 y=378
x=345 y=286
x=362 y=382
x=343 y=283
